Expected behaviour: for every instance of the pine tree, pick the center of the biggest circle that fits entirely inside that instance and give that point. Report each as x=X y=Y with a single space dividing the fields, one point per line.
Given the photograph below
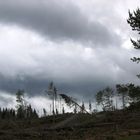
x=3 y=115
x=104 y=98
x=63 y=110
x=0 y=113
x=44 y=112
x=134 y=22
x=20 y=104
x=57 y=111
x=123 y=93
x=75 y=109
x=90 y=107
x=82 y=107
x=35 y=115
x=52 y=92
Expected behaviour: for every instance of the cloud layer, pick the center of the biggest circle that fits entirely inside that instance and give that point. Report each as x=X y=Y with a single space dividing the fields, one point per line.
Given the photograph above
x=61 y=20
x=81 y=46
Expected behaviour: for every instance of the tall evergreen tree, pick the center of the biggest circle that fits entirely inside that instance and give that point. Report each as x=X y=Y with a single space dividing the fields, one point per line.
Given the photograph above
x=104 y=98
x=82 y=107
x=20 y=104
x=52 y=92
x=63 y=110
x=123 y=93
x=44 y=112
x=90 y=106
x=134 y=22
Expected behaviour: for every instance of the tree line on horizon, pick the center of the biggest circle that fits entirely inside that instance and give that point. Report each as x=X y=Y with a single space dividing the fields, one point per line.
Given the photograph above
x=22 y=110
x=125 y=95
x=128 y=95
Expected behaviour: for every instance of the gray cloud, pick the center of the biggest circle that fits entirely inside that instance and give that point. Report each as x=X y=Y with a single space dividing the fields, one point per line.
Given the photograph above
x=37 y=87
x=61 y=20
x=83 y=81
x=76 y=65
x=75 y=69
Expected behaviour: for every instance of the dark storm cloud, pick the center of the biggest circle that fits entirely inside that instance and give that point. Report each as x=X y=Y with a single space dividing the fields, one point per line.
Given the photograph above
x=37 y=87
x=29 y=84
x=56 y=20
x=34 y=86
x=29 y=62
x=81 y=90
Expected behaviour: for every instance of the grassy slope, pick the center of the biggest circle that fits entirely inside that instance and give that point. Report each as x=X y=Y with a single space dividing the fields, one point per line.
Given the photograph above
x=135 y=137
x=103 y=126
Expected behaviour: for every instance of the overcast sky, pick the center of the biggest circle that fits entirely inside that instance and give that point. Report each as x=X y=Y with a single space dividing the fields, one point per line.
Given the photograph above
x=81 y=45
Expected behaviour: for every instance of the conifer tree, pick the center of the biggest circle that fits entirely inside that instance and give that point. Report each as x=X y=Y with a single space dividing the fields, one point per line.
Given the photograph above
x=20 y=104
x=90 y=106
x=104 y=98
x=134 y=22
x=44 y=112
x=63 y=110
x=82 y=107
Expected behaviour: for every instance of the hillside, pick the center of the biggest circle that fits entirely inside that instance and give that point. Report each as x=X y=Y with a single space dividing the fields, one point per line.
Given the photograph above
x=117 y=125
